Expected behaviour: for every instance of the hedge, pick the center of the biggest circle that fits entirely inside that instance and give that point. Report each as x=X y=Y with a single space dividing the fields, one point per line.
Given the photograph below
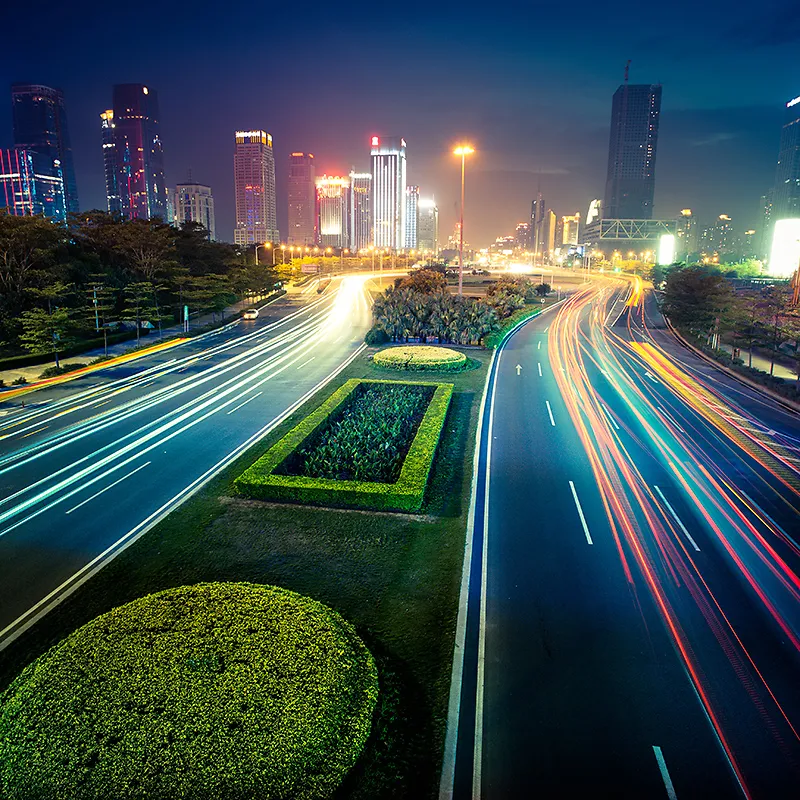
x=218 y=690
x=260 y=482
x=79 y=349
x=421 y=357
x=492 y=340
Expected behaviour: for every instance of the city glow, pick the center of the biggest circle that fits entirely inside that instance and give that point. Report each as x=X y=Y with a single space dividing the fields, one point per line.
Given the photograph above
x=666 y=249
x=785 y=254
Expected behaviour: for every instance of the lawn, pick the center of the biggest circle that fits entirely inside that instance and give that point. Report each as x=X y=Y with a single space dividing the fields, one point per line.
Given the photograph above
x=394 y=576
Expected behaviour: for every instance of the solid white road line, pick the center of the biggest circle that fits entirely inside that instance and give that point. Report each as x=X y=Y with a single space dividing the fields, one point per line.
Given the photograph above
x=677 y=519
x=244 y=404
x=306 y=362
x=539 y=364
x=110 y=486
x=580 y=513
x=550 y=412
x=610 y=418
x=539 y=345
x=662 y=766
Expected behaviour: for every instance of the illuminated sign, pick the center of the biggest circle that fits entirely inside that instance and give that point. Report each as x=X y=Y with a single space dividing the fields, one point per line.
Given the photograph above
x=666 y=249
x=144 y=90
x=375 y=141
x=594 y=211
x=793 y=102
x=402 y=143
x=784 y=258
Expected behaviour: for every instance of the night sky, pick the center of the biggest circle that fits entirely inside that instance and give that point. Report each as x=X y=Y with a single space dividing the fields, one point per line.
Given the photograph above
x=528 y=84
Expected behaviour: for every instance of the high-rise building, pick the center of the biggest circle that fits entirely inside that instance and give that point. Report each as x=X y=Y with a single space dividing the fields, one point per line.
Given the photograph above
x=194 y=203
x=389 y=191
x=786 y=194
x=40 y=124
x=302 y=199
x=31 y=184
x=522 y=236
x=570 y=229
x=428 y=225
x=630 y=185
x=549 y=234
x=133 y=155
x=254 y=181
x=412 y=217
x=537 y=225
x=360 y=210
x=333 y=194
x=720 y=237
x=687 y=242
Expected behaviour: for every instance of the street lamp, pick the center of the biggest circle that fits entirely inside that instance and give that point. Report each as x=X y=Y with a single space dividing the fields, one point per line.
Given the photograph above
x=269 y=246
x=462 y=150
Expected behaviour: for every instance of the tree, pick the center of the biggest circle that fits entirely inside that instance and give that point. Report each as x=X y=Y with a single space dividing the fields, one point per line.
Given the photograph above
x=700 y=301
x=426 y=281
x=543 y=289
x=148 y=249
x=141 y=305
x=46 y=331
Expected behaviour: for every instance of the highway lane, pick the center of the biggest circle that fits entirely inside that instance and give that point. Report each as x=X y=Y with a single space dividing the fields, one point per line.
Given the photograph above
x=106 y=456
x=640 y=604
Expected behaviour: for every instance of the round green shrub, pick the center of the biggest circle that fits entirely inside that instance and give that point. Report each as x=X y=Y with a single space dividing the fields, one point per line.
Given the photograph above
x=376 y=336
x=421 y=357
x=214 y=691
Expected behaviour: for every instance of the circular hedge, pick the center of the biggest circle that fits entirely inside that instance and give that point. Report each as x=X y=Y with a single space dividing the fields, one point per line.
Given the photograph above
x=421 y=357
x=220 y=690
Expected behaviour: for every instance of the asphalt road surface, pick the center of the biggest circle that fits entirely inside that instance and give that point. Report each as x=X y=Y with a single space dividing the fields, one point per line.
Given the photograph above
x=87 y=466
x=633 y=624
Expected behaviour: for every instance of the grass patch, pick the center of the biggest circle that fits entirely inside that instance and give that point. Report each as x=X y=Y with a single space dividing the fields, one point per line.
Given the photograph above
x=394 y=576
x=232 y=689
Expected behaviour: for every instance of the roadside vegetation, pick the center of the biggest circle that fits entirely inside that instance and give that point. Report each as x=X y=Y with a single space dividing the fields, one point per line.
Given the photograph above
x=422 y=358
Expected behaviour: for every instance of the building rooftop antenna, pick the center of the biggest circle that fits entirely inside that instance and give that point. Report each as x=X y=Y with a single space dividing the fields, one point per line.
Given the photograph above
x=627 y=69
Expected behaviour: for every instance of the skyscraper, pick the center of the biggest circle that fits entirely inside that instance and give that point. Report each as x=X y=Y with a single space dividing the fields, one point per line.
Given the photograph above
x=31 y=184
x=40 y=124
x=360 y=210
x=537 y=225
x=570 y=229
x=549 y=234
x=302 y=198
x=389 y=191
x=786 y=194
x=412 y=217
x=630 y=184
x=333 y=194
x=687 y=234
x=254 y=180
x=195 y=203
x=428 y=226
x=133 y=156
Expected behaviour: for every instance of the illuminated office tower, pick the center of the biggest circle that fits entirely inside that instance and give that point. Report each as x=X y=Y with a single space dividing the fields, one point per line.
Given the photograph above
x=686 y=234
x=31 y=184
x=40 y=124
x=254 y=184
x=786 y=194
x=412 y=217
x=302 y=199
x=389 y=191
x=428 y=225
x=333 y=194
x=570 y=227
x=631 y=179
x=360 y=210
x=137 y=155
x=549 y=234
x=194 y=203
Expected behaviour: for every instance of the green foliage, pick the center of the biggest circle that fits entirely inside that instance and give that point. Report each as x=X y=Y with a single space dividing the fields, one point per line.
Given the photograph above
x=376 y=336
x=21 y=381
x=421 y=357
x=426 y=281
x=53 y=372
x=543 y=289
x=261 y=481
x=493 y=339
x=217 y=690
x=700 y=301
x=367 y=437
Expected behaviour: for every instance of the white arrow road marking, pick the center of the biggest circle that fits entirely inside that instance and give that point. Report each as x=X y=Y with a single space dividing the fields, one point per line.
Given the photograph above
x=518 y=368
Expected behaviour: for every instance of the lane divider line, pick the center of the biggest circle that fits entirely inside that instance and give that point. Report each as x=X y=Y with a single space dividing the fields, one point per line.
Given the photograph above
x=550 y=412
x=110 y=486
x=662 y=767
x=580 y=513
x=244 y=404
x=677 y=518
x=539 y=364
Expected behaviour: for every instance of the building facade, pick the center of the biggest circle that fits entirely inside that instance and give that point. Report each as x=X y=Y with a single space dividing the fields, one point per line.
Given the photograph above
x=549 y=234
x=40 y=124
x=32 y=184
x=786 y=193
x=302 y=199
x=630 y=182
x=193 y=202
x=360 y=210
x=113 y=200
x=388 y=191
x=720 y=237
x=333 y=219
x=412 y=217
x=570 y=230
x=428 y=226
x=254 y=186
x=686 y=236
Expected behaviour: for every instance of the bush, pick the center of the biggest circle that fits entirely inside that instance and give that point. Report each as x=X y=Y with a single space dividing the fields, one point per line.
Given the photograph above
x=421 y=357
x=21 y=381
x=54 y=371
x=493 y=339
x=376 y=336
x=218 y=690
x=261 y=481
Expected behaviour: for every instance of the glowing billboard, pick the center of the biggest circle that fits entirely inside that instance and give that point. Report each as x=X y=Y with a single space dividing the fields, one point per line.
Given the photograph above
x=784 y=257
x=666 y=249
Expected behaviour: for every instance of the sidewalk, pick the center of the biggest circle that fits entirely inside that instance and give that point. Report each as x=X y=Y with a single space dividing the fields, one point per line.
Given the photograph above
x=32 y=373
x=762 y=363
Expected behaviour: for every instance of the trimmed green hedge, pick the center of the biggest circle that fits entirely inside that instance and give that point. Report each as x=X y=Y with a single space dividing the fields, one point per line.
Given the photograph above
x=493 y=339
x=421 y=357
x=218 y=690
x=260 y=482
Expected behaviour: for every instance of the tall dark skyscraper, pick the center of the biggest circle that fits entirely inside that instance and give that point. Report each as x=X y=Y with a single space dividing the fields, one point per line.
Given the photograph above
x=133 y=155
x=631 y=181
x=302 y=197
x=40 y=124
x=786 y=194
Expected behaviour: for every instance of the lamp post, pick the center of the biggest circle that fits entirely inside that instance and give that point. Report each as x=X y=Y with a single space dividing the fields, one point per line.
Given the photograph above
x=462 y=150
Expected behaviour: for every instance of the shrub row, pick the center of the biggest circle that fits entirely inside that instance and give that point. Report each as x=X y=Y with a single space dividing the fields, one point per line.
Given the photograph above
x=421 y=357
x=492 y=340
x=261 y=482
x=217 y=690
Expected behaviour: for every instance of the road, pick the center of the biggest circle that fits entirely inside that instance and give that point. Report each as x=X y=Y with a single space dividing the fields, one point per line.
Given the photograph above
x=632 y=627
x=88 y=466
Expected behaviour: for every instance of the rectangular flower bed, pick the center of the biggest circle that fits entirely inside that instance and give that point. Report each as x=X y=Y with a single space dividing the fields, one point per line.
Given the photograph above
x=329 y=442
